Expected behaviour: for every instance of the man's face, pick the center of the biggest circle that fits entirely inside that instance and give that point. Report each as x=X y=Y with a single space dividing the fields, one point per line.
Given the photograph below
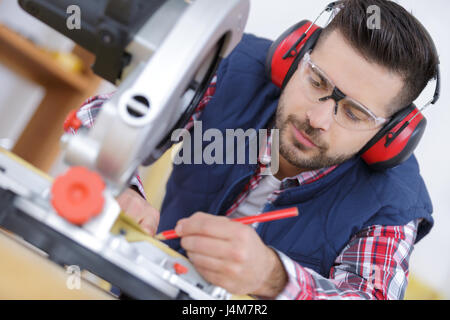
x=310 y=138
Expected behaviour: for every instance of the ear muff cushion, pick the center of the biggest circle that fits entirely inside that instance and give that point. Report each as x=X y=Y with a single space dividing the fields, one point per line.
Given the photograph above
x=278 y=68
x=395 y=121
x=405 y=152
x=379 y=156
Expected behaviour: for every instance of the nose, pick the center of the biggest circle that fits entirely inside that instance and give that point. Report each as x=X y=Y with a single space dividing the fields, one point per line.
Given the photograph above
x=320 y=115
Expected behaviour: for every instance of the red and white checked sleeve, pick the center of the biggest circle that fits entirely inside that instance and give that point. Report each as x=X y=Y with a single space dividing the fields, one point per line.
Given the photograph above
x=373 y=265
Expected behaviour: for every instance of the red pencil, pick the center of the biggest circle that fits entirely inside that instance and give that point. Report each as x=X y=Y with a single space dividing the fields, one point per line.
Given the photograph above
x=264 y=217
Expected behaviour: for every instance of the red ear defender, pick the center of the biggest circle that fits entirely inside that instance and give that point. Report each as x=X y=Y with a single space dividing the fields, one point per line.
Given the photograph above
x=280 y=68
x=396 y=141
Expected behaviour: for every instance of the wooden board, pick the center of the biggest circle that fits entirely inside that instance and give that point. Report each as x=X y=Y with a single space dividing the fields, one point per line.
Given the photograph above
x=27 y=274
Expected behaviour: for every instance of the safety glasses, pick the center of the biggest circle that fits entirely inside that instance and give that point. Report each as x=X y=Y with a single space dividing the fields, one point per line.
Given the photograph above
x=348 y=113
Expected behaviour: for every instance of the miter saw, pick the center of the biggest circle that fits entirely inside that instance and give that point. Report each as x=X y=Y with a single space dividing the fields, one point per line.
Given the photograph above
x=162 y=55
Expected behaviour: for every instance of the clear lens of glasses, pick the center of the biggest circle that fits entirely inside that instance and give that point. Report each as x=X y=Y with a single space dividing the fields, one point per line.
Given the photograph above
x=348 y=113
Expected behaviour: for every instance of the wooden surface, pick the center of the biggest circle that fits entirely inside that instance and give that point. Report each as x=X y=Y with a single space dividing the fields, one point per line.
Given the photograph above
x=65 y=91
x=26 y=274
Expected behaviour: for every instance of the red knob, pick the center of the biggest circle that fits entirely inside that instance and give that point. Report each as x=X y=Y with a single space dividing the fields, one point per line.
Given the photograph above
x=179 y=268
x=72 y=121
x=77 y=195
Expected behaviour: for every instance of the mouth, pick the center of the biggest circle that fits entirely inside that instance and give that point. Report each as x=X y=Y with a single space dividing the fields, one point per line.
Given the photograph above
x=302 y=138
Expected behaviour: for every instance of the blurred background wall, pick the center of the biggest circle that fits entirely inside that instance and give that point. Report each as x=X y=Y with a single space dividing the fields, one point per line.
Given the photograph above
x=430 y=263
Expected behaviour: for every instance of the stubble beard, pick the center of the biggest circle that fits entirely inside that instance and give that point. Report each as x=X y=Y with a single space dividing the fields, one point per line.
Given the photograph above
x=291 y=150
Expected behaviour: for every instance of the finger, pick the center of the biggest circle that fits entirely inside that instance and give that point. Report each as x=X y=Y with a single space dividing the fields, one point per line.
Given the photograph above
x=149 y=222
x=203 y=261
x=213 y=277
x=139 y=210
x=129 y=192
x=124 y=199
x=221 y=280
x=214 y=264
x=213 y=247
x=148 y=219
x=131 y=203
x=209 y=225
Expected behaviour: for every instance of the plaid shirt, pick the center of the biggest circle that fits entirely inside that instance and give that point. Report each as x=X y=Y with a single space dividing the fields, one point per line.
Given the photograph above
x=264 y=160
x=373 y=265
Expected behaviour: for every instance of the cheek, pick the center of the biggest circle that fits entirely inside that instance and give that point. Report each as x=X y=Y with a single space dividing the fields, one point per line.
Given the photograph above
x=343 y=141
x=293 y=100
x=292 y=108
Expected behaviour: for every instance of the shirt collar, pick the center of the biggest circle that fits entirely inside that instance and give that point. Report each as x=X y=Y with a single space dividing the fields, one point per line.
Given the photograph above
x=302 y=178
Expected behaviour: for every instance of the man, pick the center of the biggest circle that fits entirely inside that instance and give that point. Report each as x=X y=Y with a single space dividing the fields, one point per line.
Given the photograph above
x=356 y=227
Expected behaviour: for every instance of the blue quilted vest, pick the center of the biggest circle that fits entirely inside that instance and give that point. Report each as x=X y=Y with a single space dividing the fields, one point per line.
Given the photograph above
x=331 y=209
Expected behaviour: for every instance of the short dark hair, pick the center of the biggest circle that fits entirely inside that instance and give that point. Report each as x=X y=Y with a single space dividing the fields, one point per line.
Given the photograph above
x=401 y=44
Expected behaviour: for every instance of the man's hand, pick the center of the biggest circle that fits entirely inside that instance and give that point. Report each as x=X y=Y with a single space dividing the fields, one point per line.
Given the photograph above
x=140 y=210
x=231 y=255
